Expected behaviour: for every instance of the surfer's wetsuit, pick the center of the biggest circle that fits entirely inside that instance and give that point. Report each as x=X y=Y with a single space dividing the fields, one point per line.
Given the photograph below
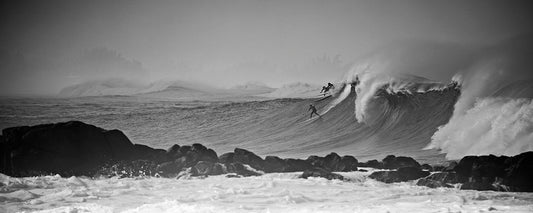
x=313 y=111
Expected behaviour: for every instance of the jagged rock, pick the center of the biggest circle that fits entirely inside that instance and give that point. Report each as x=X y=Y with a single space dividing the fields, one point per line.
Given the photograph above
x=333 y=162
x=439 y=179
x=321 y=172
x=401 y=175
x=226 y=158
x=246 y=157
x=393 y=162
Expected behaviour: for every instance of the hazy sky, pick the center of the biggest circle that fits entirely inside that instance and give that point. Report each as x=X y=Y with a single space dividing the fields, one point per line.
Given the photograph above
x=48 y=44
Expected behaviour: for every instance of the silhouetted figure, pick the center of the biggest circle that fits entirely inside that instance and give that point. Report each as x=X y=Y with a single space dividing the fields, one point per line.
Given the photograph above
x=325 y=89
x=313 y=110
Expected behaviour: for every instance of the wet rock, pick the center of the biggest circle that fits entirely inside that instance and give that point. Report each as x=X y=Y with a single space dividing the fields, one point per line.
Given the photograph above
x=226 y=158
x=401 y=175
x=426 y=167
x=169 y=169
x=123 y=169
x=333 y=162
x=321 y=172
x=393 y=162
x=519 y=172
x=432 y=183
x=70 y=148
x=439 y=179
x=246 y=157
x=205 y=168
x=240 y=169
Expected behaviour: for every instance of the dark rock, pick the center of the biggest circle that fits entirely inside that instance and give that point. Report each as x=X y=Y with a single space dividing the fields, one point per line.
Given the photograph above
x=202 y=168
x=439 y=179
x=321 y=172
x=426 y=167
x=148 y=153
x=247 y=157
x=173 y=152
x=519 y=172
x=475 y=168
x=432 y=183
x=170 y=169
x=205 y=168
x=275 y=164
x=372 y=164
x=362 y=170
x=348 y=163
x=485 y=184
x=226 y=158
x=296 y=165
x=333 y=162
x=70 y=148
x=233 y=176
x=205 y=154
x=401 y=175
x=393 y=162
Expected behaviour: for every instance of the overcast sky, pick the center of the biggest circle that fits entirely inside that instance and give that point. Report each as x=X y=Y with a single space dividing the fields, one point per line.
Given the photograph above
x=49 y=44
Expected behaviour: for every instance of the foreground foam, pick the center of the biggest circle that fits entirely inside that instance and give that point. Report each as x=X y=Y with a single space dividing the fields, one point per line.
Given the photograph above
x=276 y=192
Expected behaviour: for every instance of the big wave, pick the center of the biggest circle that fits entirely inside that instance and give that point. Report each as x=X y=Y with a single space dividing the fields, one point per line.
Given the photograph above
x=491 y=106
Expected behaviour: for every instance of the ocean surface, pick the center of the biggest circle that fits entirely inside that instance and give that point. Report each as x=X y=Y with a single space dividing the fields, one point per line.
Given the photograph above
x=399 y=123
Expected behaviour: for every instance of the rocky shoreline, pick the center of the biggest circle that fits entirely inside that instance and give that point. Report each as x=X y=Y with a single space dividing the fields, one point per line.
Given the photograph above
x=79 y=149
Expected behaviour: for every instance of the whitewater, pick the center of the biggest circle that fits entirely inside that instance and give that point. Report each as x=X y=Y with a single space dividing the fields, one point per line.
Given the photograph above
x=277 y=192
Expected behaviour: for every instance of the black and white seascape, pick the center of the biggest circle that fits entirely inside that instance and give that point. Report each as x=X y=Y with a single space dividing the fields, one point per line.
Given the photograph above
x=266 y=106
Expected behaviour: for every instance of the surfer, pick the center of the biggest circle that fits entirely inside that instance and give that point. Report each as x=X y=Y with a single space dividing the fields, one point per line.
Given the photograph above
x=313 y=110
x=325 y=89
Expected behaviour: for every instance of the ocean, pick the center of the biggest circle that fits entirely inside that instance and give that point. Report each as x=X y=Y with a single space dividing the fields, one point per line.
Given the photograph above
x=399 y=122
